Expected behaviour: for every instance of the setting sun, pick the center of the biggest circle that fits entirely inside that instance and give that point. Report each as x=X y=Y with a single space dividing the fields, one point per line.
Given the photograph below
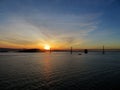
x=47 y=47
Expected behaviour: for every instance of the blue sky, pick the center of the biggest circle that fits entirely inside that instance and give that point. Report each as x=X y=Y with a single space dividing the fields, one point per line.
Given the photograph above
x=60 y=23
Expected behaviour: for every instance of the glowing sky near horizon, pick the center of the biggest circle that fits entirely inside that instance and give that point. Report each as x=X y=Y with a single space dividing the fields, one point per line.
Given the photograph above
x=59 y=23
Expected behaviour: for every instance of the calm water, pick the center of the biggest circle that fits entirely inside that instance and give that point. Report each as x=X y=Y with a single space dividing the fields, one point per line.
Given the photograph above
x=59 y=71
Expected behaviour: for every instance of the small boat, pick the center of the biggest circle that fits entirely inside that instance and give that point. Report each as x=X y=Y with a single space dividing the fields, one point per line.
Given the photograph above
x=79 y=54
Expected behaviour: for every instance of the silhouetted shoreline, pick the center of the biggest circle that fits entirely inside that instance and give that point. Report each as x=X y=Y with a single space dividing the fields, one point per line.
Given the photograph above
x=30 y=50
x=34 y=50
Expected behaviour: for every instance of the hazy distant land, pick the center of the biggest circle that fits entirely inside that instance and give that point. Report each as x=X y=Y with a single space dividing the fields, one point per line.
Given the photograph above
x=54 y=50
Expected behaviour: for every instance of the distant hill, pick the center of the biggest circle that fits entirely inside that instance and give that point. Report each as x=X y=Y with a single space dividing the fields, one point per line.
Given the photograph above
x=30 y=50
x=19 y=50
x=8 y=50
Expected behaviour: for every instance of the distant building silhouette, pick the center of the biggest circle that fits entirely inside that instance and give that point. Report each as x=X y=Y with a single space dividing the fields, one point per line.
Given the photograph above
x=71 y=50
x=85 y=51
x=103 y=51
x=50 y=50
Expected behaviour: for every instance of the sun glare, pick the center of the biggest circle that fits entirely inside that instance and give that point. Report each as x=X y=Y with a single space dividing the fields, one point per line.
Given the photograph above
x=47 y=47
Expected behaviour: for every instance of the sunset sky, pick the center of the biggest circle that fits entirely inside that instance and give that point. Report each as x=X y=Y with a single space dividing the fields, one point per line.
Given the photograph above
x=60 y=23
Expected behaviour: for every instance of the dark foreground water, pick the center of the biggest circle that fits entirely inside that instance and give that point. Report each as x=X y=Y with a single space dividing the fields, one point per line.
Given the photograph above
x=59 y=71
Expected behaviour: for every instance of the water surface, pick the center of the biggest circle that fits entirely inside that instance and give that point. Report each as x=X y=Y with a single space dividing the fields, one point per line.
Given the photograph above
x=58 y=71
